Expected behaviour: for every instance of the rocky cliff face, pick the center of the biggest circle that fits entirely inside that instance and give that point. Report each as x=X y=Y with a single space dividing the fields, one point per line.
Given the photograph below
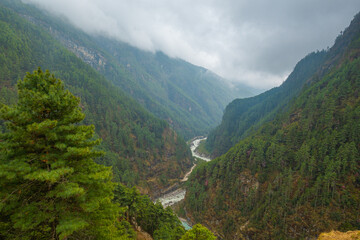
x=90 y=56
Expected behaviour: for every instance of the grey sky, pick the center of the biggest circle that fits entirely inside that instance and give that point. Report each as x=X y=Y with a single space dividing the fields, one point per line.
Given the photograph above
x=257 y=42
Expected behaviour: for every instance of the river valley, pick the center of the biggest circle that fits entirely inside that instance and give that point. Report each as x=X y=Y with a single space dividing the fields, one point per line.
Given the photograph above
x=177 y=195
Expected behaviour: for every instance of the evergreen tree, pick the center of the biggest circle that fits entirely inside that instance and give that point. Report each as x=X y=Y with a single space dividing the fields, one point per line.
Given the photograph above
x=50 y=187
x=198 y=232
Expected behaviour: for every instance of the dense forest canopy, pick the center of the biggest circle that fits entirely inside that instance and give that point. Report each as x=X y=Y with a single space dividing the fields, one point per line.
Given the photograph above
x=78 y=154
x=190 y=98
x=297 y=175
x=51 y=187
x=142 y=149
x=244 y=116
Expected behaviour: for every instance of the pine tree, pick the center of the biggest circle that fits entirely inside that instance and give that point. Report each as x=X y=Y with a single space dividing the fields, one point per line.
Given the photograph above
x=50 y=187
x=198 y=232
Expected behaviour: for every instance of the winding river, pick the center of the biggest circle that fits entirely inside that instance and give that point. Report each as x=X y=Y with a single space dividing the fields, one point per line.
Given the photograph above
x=194 y=144
x=179 y=194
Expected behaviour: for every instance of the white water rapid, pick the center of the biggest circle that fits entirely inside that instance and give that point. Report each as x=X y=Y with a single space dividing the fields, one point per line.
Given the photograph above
x=179 y=194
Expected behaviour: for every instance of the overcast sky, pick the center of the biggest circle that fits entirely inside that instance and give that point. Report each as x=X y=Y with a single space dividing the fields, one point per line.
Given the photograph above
x=257 y=42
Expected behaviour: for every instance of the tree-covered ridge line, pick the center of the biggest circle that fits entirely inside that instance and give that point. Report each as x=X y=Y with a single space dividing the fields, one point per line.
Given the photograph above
x=137 y=143
x=244 y=116
x=190 y=98
x=298 y=175
x=50 y=185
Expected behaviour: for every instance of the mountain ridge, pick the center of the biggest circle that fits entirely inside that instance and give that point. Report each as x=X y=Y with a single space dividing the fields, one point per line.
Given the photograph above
x=297 y=175
x=172 y=89
x=137 y=143
x=242 y=116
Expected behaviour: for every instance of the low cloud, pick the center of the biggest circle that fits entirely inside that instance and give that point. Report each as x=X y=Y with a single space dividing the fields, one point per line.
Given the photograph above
x=253 y=42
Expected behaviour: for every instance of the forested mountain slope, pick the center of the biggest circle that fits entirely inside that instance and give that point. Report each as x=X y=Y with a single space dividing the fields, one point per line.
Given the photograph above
x=50 y=186
x=190 y=98
x=298 y=175
x=142 y=149
x=242 y=116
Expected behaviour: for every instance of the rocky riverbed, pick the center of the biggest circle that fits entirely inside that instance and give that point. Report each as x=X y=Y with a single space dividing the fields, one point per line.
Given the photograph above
x=178 y=194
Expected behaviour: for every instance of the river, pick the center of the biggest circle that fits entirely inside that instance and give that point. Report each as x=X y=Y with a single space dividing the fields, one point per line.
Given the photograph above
x=194 y=144
x=179 y=194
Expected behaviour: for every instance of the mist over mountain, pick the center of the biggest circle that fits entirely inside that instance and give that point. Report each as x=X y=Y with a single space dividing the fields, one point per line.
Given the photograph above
x=135 y=141
x=97 y=99
x=297 y=174
x=256 y=43
x=243 y=116
x=190 y=98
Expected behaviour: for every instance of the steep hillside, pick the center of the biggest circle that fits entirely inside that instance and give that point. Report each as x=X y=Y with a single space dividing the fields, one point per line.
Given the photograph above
x=50 y=186
x=242 y=116
x=190 y=98
x=298 y=175
x=142 y=149
x=193 y=98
